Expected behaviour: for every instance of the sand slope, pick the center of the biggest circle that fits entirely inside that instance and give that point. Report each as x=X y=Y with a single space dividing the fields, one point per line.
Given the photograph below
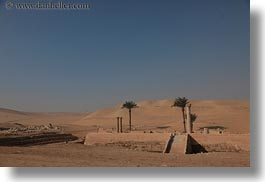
x=34 y=118
x=153 y=115
x=232 y=115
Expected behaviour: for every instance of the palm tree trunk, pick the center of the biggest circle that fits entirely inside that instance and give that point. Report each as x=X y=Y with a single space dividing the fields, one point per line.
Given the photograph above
x=130 y=119
x=184 y=123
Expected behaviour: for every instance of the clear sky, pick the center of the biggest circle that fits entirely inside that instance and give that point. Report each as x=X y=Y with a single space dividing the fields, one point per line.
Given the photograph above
x=61 y=60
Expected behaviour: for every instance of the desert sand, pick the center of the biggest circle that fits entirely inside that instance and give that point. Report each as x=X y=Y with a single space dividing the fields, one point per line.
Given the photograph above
x=158 y=116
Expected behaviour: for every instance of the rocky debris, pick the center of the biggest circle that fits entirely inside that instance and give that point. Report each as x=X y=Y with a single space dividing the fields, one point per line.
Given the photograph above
x=212 y=130
x=21 y=135
x=22 y=129
x=37 y=139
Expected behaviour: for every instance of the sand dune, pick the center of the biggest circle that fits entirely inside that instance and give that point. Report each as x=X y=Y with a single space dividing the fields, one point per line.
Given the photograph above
x=232 y=115
x=8 y=115
x=34 y=118
x=151 y=115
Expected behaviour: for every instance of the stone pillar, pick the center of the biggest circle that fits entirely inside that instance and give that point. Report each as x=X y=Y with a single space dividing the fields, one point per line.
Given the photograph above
x=188 y=122
x=121 y=124
x=118 y=124
x=190 y=118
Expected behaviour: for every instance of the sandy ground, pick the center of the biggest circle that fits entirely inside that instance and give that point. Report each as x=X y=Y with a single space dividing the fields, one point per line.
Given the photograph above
x=233 y=116
x=81 y=155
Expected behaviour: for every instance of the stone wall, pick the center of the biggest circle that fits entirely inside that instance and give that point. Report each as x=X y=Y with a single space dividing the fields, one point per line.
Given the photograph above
x=180 y=144
x=221 y=143
x=106 y=138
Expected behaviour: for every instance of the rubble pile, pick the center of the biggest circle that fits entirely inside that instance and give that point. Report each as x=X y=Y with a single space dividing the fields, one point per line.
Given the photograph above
x=21 y=129
x=21 y=135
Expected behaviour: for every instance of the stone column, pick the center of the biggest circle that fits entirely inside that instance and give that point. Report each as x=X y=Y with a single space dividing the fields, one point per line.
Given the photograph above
x=118 y=124
x=121 y=124
x=188 y=122
x=190 y=119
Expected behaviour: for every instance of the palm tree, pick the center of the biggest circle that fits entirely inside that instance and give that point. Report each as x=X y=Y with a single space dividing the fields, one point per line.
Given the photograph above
x=181 y=102
x=193 y=118
x=129 y=105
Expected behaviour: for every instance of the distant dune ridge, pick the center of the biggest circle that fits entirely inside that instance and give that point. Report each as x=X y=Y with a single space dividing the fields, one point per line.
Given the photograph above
x=7 y=115
x=231 y=115
x=157 y=116
x=37 y=118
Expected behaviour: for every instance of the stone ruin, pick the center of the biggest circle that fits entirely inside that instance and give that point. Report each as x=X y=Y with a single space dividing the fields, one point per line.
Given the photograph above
x=20 y=129
x=21 y=135
x=188 y=143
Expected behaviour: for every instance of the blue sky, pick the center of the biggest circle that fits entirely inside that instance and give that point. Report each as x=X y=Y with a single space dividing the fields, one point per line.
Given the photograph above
x=123 y=50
